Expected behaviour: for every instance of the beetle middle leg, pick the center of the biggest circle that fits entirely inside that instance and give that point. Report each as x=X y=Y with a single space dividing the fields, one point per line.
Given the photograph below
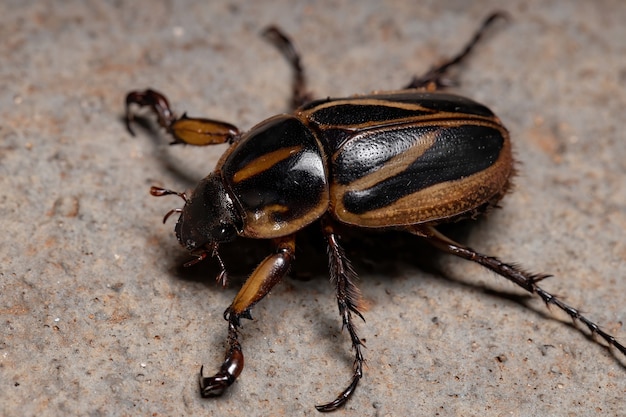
x=436 y=77
x=258 y=285
x=515 y=274
x=348 y=297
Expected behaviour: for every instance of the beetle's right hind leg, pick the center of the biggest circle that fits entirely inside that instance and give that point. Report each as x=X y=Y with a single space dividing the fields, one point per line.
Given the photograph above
x=187 y=130
x=348 y=299
x=436 y=78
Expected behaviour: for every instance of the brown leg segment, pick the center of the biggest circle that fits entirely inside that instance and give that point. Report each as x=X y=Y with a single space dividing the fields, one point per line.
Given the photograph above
x=515 y=274
x=300 y=95
x=435 y=77
x=265 y=276
x=348 y=298
x=187 y=130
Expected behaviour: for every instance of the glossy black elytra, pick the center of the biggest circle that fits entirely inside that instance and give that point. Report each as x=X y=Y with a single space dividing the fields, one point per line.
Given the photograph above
x=405 y=160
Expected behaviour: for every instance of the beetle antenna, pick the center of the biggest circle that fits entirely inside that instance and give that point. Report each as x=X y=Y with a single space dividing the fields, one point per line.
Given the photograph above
x=160 y=192
x=169 y=213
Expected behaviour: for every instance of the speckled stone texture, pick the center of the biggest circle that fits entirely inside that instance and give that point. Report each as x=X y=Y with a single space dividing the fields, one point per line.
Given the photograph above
x=98 y=317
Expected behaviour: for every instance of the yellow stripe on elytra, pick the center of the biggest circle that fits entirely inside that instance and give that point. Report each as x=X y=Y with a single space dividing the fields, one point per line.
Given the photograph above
x=265 y=162
x=407 y=157
x=398 y=163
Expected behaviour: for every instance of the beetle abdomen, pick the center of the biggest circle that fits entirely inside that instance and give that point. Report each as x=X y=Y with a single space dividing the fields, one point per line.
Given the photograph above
x=277 y=176
x=435 y=157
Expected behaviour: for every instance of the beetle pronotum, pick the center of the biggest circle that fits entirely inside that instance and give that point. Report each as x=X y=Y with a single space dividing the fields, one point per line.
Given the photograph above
x=406 y=160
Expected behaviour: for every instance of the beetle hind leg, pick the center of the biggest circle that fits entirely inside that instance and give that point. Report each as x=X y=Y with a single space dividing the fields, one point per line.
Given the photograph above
x=348 y=298
x=436 y=77
x=515 y=274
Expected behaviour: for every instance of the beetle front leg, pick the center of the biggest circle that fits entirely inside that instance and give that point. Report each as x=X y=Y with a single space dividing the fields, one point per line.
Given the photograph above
x=187 y=130
x=258 y=285
x=348 y=298
x=515 y=274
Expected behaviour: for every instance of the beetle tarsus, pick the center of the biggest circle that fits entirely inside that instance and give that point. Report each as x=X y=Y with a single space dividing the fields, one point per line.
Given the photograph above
x=215 y=385
x=436 y=77
x=341 y=400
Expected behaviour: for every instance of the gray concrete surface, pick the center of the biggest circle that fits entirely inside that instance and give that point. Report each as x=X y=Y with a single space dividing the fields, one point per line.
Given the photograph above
x=99 y=319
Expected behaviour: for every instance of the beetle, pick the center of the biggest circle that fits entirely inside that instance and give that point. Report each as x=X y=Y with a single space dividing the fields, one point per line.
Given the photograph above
x=407 y=160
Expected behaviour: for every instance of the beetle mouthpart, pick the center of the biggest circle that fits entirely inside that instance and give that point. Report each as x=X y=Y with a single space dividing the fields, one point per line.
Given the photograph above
x=199 y=258
x=223 y=276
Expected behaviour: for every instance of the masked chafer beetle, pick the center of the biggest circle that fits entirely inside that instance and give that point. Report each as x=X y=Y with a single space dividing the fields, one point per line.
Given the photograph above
x=405 y=160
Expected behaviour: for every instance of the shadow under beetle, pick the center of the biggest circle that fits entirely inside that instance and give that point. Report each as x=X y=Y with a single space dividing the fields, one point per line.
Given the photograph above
x=405 y=160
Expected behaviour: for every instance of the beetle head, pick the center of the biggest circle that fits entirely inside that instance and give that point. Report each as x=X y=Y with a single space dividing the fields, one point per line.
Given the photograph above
x=208 y=218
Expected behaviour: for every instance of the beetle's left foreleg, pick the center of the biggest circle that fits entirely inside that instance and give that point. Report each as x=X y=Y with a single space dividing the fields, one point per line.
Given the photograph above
x=348 y=299
x=515 y=274
x=188 y=130
x=258 y=285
